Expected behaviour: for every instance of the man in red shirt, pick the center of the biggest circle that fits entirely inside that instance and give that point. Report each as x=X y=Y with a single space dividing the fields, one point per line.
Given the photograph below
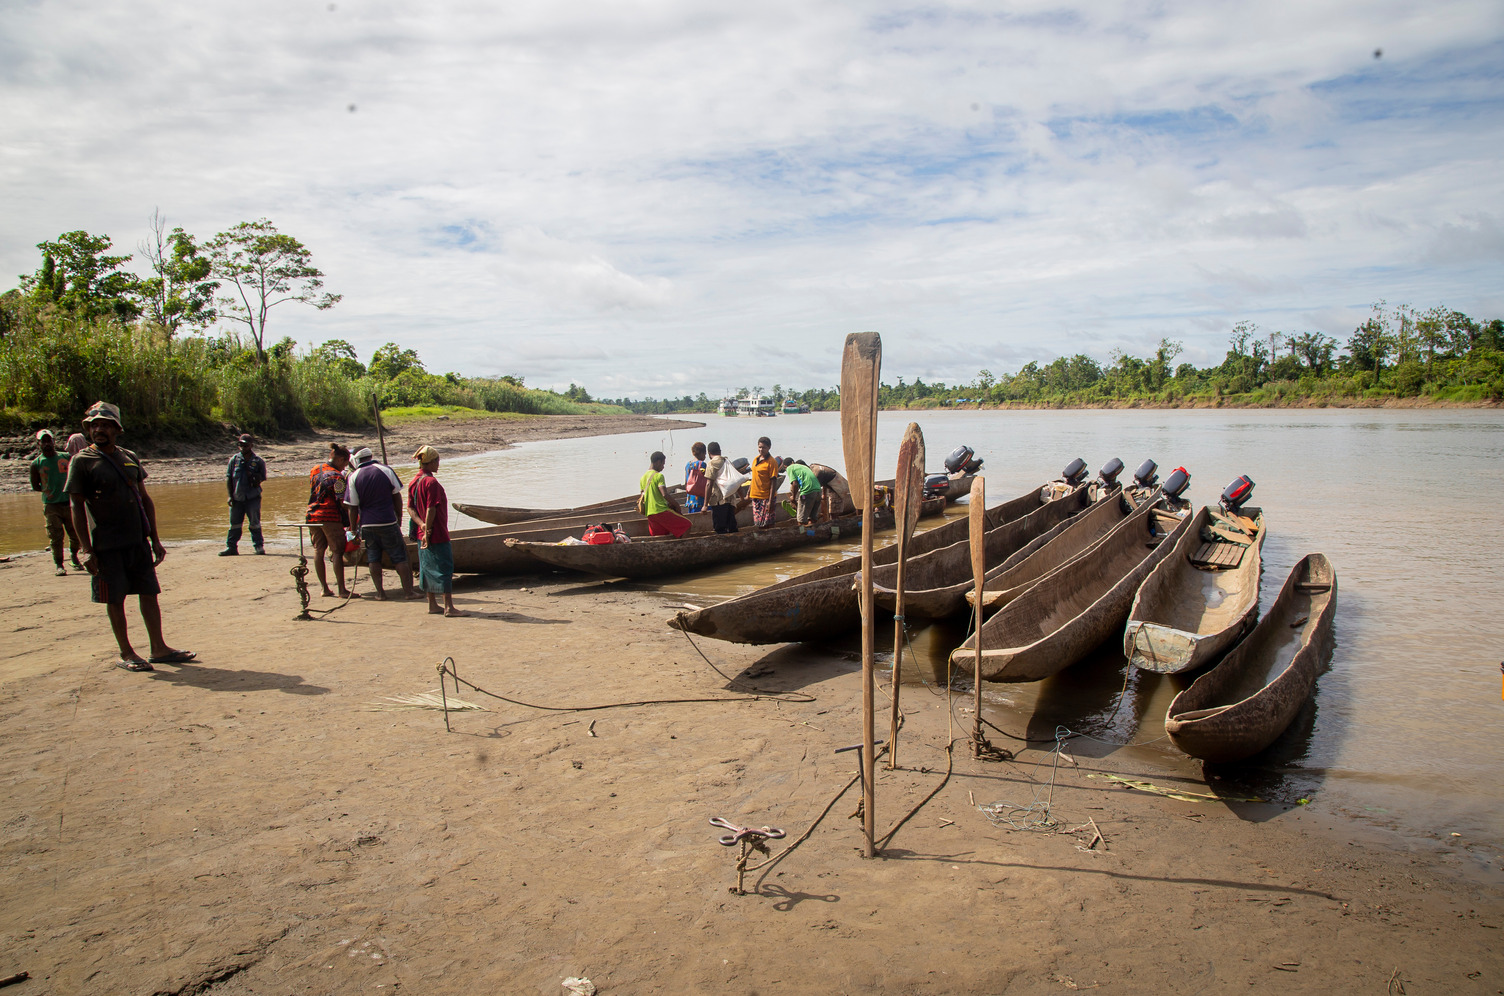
x=428 y=508
x=326 y=513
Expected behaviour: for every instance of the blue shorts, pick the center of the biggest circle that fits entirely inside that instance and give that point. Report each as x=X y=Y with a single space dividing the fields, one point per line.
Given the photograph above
x=388 y=538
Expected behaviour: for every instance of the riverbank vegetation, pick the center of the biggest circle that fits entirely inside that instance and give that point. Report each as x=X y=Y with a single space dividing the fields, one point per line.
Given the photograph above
x=1398 y=353
x=84 y=328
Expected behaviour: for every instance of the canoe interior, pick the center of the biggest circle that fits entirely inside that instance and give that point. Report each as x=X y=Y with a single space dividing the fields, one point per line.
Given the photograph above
x=1182 y=596
x=1060 y=545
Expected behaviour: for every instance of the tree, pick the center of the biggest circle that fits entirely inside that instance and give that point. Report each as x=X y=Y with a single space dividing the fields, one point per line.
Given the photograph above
x=1313 y=347
x=391 y=360
x=78 y=276
x=577 y=393
x=180 y=291
x=266 y=268
x=339 y=353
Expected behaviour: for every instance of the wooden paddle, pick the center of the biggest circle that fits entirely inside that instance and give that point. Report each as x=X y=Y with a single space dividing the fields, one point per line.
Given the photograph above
x=978 y=522
x=861 y=363
x=910 y=492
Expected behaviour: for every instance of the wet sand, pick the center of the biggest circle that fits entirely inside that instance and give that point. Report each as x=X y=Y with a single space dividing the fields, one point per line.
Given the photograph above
x=255 y=822
x=181 y=463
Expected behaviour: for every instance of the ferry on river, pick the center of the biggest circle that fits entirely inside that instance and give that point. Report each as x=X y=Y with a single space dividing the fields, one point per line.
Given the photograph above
x=792 y=407
x=756 y=405
x=727 y=406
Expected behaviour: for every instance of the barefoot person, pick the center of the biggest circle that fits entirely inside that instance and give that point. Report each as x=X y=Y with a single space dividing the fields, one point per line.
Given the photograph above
x=116 y=520
x=49 y=474
x=428 y=509
x=662 y=511
x=243 y=477
x=763 y=491
x=326 y=513
x=375 y=500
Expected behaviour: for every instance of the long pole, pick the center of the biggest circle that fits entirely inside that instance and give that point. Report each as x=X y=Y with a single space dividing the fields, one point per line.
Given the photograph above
x=978 y=524
x=861 y=363
x=380 y=430
x=910 y=485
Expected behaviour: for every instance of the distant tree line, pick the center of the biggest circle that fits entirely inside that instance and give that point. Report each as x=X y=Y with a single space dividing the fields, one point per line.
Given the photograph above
x=1397 y=352
x=186 y=346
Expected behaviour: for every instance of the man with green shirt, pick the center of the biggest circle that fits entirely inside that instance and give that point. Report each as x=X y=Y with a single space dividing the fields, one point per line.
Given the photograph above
x=806 y=488
x=49 y=472
x=662 y=511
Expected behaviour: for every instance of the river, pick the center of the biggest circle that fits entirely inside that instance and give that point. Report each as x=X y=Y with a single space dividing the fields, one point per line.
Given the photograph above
x=1406 y=729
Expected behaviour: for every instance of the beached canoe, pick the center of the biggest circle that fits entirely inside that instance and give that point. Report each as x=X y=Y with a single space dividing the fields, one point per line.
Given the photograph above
x=1070 y=611
x=1242 y=705
x=505 y=515
x=821 y=604
x=1201 y=597
x=936 y=583
x=1059 y=546
x=655 y=556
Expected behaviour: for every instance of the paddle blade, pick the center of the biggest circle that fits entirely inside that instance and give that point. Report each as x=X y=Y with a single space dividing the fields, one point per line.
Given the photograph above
x=861 y=363
x=909 y=481
x=978 y=523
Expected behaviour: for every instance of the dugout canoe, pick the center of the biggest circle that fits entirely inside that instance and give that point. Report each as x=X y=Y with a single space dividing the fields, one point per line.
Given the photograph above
x=1243 y=704
x=936 y=583
x=1072 y=609
x=1059 y=546
x=821 y=604
x=1190 y=611
x=505 y=515
x=656 y=556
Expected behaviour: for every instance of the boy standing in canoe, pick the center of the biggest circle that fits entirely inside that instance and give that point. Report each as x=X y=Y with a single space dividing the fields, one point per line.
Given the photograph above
x=763 y=490
x=662 y=511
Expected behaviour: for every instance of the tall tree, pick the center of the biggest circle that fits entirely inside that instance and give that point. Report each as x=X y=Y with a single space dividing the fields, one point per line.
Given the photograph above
x=180 y=291
x=266 y=269
x=78 y=276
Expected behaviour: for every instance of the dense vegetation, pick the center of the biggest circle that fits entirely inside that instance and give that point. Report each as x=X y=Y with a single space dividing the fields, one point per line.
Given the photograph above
x=83 y=328
x=1397 y=353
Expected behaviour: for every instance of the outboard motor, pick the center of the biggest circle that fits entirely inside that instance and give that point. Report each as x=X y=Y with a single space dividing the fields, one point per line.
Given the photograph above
x=1074 y=472
x=1110 y=471
x=1175 y=485
x=742 y=465
x=935 y=486
x=1145 y=476
x=962 y=460
x=1236 y=494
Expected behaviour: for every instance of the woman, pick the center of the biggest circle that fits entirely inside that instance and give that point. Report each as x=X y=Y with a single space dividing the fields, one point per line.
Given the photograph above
x=428 y=510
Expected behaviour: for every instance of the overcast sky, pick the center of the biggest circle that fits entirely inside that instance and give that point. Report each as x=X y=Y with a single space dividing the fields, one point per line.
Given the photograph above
x=669 y=197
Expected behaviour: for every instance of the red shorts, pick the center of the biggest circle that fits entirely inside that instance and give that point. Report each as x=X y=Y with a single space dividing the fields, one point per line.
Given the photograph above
x=668 y=523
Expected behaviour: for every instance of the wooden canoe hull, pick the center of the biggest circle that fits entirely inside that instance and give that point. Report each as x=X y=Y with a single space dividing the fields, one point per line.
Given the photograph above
x=505 y=515
x=1236 y=709
x=1071 y=610
x=1185 y=617
x=657 y=556
x=936 y=583
x=821 y=604
x=1045 y=553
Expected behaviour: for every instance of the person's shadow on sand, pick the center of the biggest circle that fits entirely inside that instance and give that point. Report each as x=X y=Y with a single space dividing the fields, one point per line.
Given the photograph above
x=224 y=680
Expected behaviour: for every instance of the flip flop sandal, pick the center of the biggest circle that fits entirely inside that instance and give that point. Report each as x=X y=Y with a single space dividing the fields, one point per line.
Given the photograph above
x=176 y=657
x=134 y=666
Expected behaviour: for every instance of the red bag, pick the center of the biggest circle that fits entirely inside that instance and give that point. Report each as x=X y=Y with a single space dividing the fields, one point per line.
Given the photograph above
x=599 y=535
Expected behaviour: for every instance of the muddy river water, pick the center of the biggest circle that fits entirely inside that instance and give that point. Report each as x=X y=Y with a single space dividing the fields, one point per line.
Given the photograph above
x=1407 y=729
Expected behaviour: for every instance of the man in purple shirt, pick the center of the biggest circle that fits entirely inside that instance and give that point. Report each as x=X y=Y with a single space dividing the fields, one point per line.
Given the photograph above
x=375 y=500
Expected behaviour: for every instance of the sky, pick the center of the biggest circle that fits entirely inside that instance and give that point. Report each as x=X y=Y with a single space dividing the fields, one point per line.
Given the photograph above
x=663 y=198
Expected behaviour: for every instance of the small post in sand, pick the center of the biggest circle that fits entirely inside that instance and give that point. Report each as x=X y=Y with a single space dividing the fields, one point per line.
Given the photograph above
x=978 y=523
x=861 y=365
x=910 y=492
x=380 y=429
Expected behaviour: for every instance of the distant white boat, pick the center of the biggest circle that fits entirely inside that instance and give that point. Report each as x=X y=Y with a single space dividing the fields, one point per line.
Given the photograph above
x=756 y=405
x=728 y=406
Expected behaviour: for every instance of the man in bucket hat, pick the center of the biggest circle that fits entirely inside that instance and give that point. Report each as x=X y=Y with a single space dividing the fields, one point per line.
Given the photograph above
x=117 y=529
x=243 y=479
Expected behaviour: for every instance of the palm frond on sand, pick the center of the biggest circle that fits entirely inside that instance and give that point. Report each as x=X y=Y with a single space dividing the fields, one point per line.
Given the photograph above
x=425 y=700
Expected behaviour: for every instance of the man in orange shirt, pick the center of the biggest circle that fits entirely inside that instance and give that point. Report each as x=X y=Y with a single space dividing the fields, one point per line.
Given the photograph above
x=326 y=513
x=763 y=489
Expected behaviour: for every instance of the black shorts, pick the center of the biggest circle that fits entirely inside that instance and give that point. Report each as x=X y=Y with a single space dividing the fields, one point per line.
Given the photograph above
x=124 y=571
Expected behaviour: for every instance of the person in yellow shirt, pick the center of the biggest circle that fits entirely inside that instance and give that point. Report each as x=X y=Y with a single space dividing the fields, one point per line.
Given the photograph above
x=661 y=510
x=763 y=489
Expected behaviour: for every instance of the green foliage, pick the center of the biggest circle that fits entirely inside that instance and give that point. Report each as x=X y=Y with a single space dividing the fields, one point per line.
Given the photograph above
x=179 y=293
x=266 y=268
x=391 y=361
x=77 y=277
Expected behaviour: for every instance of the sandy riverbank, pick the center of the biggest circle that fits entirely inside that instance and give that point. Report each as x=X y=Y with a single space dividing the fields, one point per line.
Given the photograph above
x=194 y=463
x=256 y=823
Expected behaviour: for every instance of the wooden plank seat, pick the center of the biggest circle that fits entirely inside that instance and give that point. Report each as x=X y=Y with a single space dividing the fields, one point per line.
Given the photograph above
x=1218 y=555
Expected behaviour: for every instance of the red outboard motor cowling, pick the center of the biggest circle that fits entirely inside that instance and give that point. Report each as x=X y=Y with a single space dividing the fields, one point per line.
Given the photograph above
x=1236 y=494
x=1177 y=482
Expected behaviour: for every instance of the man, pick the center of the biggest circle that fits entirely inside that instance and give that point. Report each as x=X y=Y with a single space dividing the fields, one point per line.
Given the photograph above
x=76 y=442
x=722 y=509
x=49 y=474
x=696 y=483
x=837 y=491
x=375 y=500
x=326 y=513
x=662 y=511
x=243 y=477
x=806 y=488
x=428 y=508
x=116 y=519
x=763 y=489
